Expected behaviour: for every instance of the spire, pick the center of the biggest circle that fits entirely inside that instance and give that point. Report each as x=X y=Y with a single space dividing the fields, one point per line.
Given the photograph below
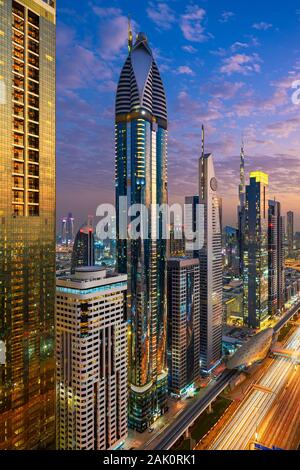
x=129 y=34
x=242 y=176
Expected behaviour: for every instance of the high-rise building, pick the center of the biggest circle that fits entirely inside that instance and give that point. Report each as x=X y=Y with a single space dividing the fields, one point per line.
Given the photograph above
x=183 y=350
x=27 y=223
x=191 y=213
x=67 y=229
x=290 y=233
x=210 y=267
x=177 y=245
x=231 y=249
x=84 y=248
x=91 y=354
x=255 y=252
x=276 y=258
x=141 y=176
x=241 y=211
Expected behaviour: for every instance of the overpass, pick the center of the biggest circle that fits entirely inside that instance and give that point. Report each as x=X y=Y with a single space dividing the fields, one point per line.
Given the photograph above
x=169 y=435
x=287 y=316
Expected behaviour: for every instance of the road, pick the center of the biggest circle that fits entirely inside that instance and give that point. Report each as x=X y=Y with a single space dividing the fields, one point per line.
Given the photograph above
x=255 y=411
x=287 y=316
x=169 y=435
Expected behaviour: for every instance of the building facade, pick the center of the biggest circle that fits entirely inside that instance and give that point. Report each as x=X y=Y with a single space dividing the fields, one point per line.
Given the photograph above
x=27 y=223
x=255 y=263
x=91 y=354
x=210 y=256
x=241 y=211
x=183 y=323
x=276 y=258
x=141 y=177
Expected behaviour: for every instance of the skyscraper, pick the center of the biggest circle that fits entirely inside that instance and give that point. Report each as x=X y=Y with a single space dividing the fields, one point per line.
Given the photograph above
x=290 y=233
x=67 y=232
x=27 y=222
x=141 y=176
x=210 y=267
x=241 y=210
x=183 y=323
x=276 y=258
x=192 y=203
x=84 y=248
x=91 y=352
x=255 y=277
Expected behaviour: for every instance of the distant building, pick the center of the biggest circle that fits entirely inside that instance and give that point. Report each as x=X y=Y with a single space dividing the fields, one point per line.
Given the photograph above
x=241 y=211
x=290 y=233
x=276 y=258
x=67 y=230
x=183 y=350
x=231 y=249
x=255 y=263
x=210 y=268
x=84 y=248
x=91 y=356
x=177 y=245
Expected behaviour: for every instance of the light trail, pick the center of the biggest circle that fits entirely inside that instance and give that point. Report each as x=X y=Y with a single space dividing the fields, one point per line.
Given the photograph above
x=241 y=429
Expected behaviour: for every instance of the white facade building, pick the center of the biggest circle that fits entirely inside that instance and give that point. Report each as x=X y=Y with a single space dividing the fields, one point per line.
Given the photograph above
x=210 y=256
x=91 y=352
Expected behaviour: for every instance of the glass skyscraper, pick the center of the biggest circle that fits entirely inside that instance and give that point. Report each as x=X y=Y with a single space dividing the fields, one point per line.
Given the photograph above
x=141 y=176
x=27 y=223
x=255 y=265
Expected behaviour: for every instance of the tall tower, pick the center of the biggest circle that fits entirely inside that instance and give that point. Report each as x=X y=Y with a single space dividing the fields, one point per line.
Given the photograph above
x=210 y=267
x=141 y=176
x=91 y=358
x=183 y=323
x=241 y=209
x=290 y=233
x=255 y=252
x=276 y=258
x=27 y=223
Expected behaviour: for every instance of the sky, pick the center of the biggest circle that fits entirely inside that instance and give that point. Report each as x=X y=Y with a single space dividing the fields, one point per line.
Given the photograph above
x=228 y=64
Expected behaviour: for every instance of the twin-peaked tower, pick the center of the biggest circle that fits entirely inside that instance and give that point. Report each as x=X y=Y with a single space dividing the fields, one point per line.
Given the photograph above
x=141 y=177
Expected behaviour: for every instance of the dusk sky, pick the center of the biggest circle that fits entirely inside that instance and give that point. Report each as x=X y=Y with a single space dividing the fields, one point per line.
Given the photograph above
x=226 y=63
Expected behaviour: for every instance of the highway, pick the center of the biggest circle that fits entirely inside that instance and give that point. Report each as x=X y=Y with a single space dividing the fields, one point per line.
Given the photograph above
x=253 y=413
x=173 y=431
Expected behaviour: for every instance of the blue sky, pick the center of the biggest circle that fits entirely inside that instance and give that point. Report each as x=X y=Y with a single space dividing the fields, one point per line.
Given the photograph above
x=229 y=64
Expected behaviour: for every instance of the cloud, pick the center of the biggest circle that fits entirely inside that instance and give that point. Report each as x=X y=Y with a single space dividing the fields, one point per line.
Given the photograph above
x=184 y=70
x=191 y=24
x=190 y=49
x=225 y=17
x=283 y=129
x=262 y=26
x=222 y=89
x=241 y=63
x=161 y=14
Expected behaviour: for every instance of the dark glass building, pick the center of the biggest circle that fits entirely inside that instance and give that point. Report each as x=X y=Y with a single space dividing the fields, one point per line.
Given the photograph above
x=84 y=248
x=141 y=176
x=256 y=259
x=276 y=258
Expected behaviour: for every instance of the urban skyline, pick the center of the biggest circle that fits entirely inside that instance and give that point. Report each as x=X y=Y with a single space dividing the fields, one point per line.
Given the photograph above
x=203 y=85
x=146 y=326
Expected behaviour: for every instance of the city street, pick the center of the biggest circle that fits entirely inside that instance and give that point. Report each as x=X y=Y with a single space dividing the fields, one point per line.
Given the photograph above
x=272 y=407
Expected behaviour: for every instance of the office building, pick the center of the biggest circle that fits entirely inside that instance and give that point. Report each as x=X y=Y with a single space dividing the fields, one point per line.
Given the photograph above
x=290 y=233
x=141 y=176
x=241 y=211
x=276 y=258
x=190 y=221
x=183 y=350
x=256 y=260
x=91 y=354
x=27 y=223
x=84 y=248
x=210 y=267
x=67 y=230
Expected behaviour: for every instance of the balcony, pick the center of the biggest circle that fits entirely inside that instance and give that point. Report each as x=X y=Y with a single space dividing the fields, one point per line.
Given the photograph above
x=33 y=129
x=33 y=115
x=18 y=82
x=33 y=156
x=18 y=110
x=18 y=67
x=33 y=46
x=18 y=168
x=18 y=182
x=18 y=52
x=18 y=96
x=33 y=184
x=33 y=142
x=33 y=32
x=33 y=170
x=18 y=125
x=33 y=73
x=33 y=87
x=18 y=24
x=33 y=101
x=18 y=154
x=18 y=139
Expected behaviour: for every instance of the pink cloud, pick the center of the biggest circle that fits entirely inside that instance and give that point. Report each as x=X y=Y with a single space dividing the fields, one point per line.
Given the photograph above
x=161 y=14
x=191 y=24
x=241 y=63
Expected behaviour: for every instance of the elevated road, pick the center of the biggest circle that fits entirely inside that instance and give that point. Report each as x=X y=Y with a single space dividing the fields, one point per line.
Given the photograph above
x=287 y=316
x=173 y=432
